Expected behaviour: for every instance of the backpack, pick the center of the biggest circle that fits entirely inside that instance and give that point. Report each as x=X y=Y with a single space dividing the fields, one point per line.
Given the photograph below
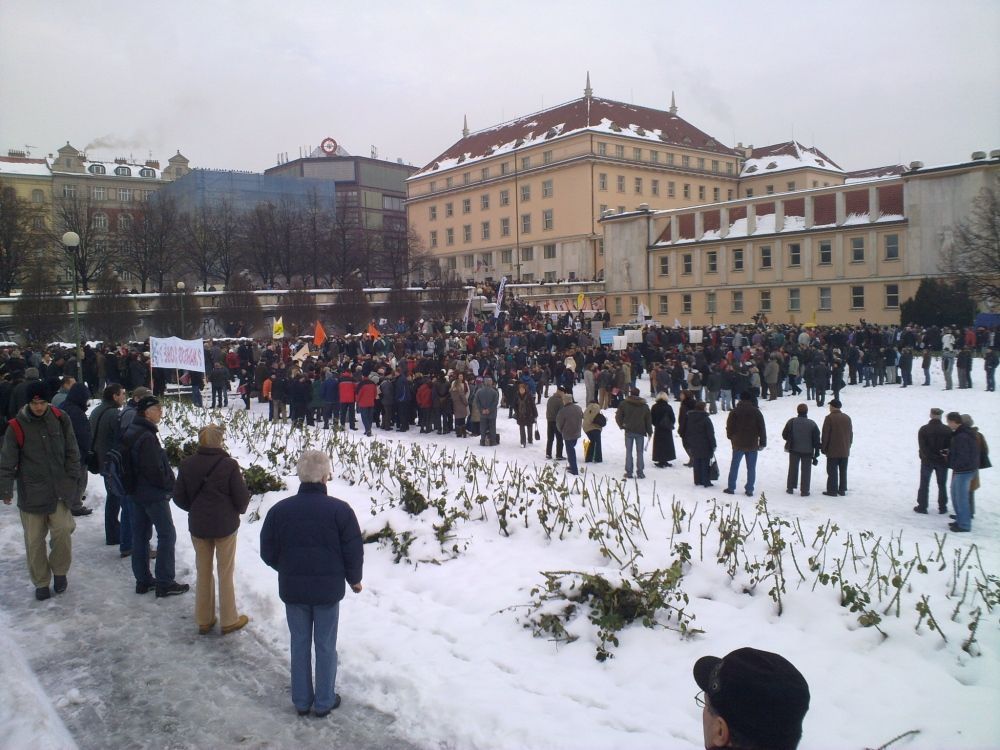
x=120 y=475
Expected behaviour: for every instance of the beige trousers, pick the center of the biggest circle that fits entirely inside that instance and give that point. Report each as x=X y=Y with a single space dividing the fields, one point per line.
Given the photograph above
x=224 y=551
x=58 y=526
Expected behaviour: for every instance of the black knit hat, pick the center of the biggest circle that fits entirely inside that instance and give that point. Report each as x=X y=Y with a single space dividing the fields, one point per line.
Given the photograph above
x=759 y=694
x=145 y=402
x=36 y=391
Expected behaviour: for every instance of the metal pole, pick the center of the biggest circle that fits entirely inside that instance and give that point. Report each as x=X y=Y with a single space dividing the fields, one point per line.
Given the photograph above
x=180 y=301
x=76 y=319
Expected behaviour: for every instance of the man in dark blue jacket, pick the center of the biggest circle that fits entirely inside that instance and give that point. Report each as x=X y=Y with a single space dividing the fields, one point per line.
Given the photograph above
x=314 y=542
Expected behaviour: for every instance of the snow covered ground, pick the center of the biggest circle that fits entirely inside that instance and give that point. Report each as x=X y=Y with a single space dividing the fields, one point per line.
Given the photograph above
x=437 y=651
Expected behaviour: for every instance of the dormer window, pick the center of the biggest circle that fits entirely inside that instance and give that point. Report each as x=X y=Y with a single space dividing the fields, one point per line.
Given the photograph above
x=96 y=169
x=147 y=172
x=123 y=171
x=772 y=165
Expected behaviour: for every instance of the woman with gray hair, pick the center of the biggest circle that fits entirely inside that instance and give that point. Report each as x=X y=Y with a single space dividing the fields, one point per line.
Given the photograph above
x=314 y=542
x=211 y=488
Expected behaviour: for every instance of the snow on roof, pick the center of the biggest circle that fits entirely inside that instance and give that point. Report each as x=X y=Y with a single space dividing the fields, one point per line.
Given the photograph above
x=110 y=167
x=782 y=157
x=875 y=173
x=24 y=166
x=766 y=225
x=586 y=114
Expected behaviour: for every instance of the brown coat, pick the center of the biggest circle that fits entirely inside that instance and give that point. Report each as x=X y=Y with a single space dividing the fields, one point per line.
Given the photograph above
x=838 y=434
x=210 y=487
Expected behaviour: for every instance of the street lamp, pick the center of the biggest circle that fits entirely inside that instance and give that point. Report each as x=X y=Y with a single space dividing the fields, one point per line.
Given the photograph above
x=71 y=241
x=180 y=300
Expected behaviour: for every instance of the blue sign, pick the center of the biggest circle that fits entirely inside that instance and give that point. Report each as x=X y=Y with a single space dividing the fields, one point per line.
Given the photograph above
x=608 y=335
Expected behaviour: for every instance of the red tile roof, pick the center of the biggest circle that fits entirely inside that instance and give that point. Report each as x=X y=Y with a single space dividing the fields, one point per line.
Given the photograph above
x=584 y=114
x=875 y=173
x=781 y=157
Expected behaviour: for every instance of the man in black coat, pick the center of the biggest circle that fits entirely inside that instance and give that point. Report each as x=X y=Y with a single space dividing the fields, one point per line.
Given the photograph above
x=802 y=441
x=314 y=542
x=152 y=482
x=75 y=405
x=932 y=443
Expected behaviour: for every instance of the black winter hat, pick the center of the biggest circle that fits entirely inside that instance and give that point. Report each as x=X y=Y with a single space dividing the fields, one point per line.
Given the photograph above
x=36 y=390
x=145 y=402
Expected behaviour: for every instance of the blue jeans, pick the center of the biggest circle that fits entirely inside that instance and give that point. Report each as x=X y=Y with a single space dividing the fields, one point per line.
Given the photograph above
x=367 y=413
x=960 y=482
x=196 y=395
x=570 y=446
x=347 y=415
x=637 y=439
x=734 y=469
x=144 y=519
x=308 y=624
x=726 y=400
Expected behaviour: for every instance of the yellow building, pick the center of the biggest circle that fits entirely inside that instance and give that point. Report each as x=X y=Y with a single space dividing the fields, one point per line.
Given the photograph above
x=30 y=179
x=524 y=199
x=824 y=255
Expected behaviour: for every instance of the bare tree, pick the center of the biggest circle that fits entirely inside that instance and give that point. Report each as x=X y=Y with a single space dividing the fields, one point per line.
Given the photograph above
x=239 y=303
x=227 y=224
x=261 y=243
x=148 y=241
x=39 y=311
x=352 y=311
x=975 y=255
x=96 y=252
x=177 y=314
x=198 y=255
x=111 y=313
x=346 y=252
x=401 y=304
x=22 y=237
x=446 y=298
x=298 y=309
x=316 y=242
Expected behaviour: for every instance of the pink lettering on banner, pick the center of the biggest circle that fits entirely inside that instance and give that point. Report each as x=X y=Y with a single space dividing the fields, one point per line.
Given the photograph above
x=175 y=353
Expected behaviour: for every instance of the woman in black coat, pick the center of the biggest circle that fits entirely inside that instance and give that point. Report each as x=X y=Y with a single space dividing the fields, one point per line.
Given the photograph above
x=700 y=438
x=663 y=431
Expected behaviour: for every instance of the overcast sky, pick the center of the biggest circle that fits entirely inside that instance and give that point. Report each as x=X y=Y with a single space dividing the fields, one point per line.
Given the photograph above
x=231 y=83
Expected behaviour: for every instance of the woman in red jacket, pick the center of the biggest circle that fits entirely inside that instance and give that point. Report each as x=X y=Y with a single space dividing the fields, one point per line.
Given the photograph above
x=367 y=392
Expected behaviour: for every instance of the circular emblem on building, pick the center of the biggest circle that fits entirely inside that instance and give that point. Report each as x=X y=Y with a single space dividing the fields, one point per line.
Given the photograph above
x=329 y=146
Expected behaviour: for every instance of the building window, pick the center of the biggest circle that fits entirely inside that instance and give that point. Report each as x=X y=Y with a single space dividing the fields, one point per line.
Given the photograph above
x=892 y=296
x=546 y=157
x=123 y=171
x=685 y=161
x=654 y=156
x=618 y=305
x=765 y=300
x=449 y=236
x=857 y=297
x=100 y=221
x=794 y=300
x=687 y=262
x=525 y=162
x=701 y=163
x=125 y=195
x=634 y=306
x=621 y=209
x=737 y=306
x=701 y=192
x=892 y=247
x=637 y=154
x=124 y=222
x=448 y=182
x=710 y=302
x=794 y=254
x=505 y=167
x=505 y=197
x=858 y=250
x=670 y=158
x=549 y=252
x=505 y=227
x=98 y=193
x=716 y=194
x=549 y=277
x=600 y=247
x=654 y=187
x=69 y=191
x=729 y=167
x=147 y=172
x=749 y=193
x=528 y=278
x=434 y=238
x=525 y=193
x=621 y=183
x=432 y=187
x=507 y=256
x=468 y=261
x=466 y=205
x=712 y=261
x=664 y=306
x=765 y=256
x=486 y=259
x=452 y=263
x=433 y=213
x=825 y=298
x=686 y=304
x=769 y=190
x=485 y=227
x=602 y=149
x=729 y=195
x=547 y=219
x=791 y=186
x=602 y=181
x=638 y=185
x=484 y=202
x=37 y=196
x=449 y=210
x=664 y=265
x=687 y=190
x=525 y=223
x=96 y=169
x=484 y=173
x=547 y=190
x=620 y=152
x=467 y=233
x=715 y=165
x=527 y=253
x=737 y=260
x=671 y=190
x=825 y=252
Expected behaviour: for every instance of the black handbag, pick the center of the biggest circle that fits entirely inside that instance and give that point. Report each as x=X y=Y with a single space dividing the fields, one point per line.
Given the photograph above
x=713 y=470
x=600 y=420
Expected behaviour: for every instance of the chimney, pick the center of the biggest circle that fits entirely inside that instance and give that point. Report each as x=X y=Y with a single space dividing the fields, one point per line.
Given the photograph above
x=978 y=155
x=153 y=163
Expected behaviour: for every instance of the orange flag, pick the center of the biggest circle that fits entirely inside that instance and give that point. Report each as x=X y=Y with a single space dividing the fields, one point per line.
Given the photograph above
x=320 y=335
x=373 y=331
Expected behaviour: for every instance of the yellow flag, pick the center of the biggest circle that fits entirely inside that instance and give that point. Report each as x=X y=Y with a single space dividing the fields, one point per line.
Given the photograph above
x=279 y=329
x=579 y=301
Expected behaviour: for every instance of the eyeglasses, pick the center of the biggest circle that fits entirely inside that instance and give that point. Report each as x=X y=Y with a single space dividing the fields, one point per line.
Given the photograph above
x=699 y=699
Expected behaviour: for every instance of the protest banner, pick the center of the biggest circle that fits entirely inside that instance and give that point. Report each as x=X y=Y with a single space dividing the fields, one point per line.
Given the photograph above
x=179 y=354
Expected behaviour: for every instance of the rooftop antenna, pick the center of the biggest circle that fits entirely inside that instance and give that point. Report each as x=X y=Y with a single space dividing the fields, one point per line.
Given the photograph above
x=27 y=149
